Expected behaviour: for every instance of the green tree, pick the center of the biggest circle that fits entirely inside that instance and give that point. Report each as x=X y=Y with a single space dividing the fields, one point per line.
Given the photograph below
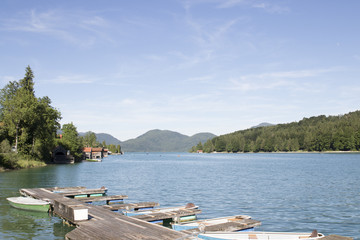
x=71 y=140
x=199 y=146
x=18 y=103
x=90 y=139
x=208 y=146
x=118 y=149
x=220 y=145
x=44 y=126
x=28 y=123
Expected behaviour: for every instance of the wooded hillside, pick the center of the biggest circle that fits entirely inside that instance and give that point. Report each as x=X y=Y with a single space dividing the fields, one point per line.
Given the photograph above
x=332 y=133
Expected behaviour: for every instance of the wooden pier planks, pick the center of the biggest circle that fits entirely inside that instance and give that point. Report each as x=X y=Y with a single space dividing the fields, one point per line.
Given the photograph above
x=103 y=223
x=102 y=198
x=167 y=215
x=111 y=225
x=71 y=193
x=129 y=206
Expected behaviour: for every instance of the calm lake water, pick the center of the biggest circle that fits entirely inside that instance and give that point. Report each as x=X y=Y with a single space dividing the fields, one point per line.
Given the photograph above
x=287 y=192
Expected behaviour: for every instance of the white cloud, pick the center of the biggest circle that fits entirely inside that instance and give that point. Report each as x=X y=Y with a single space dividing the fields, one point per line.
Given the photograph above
x=267 y=6
x=272 y=80
x=231 y=3
x=75 y=27
x=202 y=79
x=74 y=79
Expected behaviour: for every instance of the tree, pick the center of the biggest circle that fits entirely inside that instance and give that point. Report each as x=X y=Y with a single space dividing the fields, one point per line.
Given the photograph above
x=27 y=83
x=29 y=123
x=118 y=149
x=199 y=146
x=18 y=103
x=220 y=145
x=90 y=140
x=208 y=146
x=71 y=140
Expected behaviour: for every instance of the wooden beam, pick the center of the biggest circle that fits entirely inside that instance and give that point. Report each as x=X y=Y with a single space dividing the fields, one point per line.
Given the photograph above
x=129 y=206
x=72 y=193
x=102 y=198
x=167 y=215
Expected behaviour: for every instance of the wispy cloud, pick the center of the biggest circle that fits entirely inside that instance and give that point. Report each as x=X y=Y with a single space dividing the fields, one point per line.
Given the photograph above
x=208 y=34
x=273 y=80
x=74 y=79
x=267 y=6
x=231 y=3
x=76 y=28
x=202 y=79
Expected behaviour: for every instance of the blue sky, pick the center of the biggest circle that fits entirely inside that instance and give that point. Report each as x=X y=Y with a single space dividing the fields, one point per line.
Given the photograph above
x=126 y=67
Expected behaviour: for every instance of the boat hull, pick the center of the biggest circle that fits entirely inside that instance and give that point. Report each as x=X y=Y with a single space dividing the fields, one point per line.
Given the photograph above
x=28 y=206
x=258 y=235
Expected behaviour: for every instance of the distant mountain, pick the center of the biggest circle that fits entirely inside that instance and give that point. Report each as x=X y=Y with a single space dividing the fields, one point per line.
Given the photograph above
x=164 y=141
x=156 y=141
x=109 y=139
x=264 y=124
x=100 y=137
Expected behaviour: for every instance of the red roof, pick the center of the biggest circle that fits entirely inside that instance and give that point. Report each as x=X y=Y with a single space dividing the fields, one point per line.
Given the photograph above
x=97 y=149
x=87 y=149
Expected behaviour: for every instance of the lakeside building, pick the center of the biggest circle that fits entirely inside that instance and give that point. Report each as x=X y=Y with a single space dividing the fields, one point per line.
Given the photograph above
x=94 y=153
x=61 y=155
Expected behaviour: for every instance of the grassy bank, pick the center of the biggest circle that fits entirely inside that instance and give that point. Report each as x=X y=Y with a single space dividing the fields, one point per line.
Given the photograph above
x=16 y=161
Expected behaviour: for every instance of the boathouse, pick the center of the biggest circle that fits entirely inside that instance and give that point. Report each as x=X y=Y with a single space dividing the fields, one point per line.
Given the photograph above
x=94 y=153
x=61 y=155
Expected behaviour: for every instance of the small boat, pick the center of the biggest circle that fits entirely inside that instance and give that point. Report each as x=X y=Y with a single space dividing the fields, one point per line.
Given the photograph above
x=93 y=160
x=260 y=235
x=28 y=203
x=209 y=222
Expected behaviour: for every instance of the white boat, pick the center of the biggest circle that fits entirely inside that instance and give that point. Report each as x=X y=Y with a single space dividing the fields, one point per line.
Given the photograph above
x=28 y=203
x=209 y=222
x=260 y=235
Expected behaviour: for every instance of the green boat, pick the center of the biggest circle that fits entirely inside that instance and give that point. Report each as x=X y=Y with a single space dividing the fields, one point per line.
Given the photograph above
x=28 y=203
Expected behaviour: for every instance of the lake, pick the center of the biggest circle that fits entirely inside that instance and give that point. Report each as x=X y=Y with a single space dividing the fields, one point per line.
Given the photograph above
x=286 y=192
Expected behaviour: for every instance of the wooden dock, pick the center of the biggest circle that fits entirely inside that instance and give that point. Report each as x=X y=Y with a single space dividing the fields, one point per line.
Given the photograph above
x=108 y=199
x=130 y=206
x=102 y=223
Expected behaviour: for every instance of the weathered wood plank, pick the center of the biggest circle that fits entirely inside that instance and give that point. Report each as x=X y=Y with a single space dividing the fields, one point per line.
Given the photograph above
x=65 y=189
x=129 y=206
x=103 y=198
x=167 y=215
x=72 y=193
